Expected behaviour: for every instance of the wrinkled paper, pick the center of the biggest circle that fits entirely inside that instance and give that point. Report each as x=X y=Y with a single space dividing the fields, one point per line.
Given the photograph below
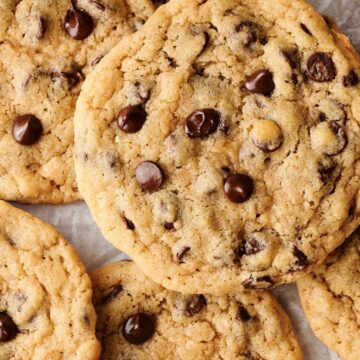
x=75 y=223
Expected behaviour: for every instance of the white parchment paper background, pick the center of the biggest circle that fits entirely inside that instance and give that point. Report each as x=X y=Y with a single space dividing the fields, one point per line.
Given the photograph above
x=75 y=223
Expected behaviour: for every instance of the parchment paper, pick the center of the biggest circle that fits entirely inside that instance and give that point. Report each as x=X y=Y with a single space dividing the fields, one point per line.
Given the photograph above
x=75 y=223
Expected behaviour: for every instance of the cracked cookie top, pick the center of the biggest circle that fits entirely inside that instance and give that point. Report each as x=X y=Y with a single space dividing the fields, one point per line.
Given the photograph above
x=138 y=319
x=219 y=145
x=46 y=309
x=47 y=49
x=330 y=297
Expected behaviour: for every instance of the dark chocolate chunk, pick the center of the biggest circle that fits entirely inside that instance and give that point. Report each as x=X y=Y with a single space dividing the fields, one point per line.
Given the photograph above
x=351 y=79
x=149 y=176
x=321 y=67
x=78 y=24
x=238 y=188
x=72 y=78
x=305 y=29
x=131 y=119
x=182 y=253
x=202 y=123
x=250 y=29
x=243 y=314
x=261 y=82
x=138 y=328
x=302 y=260
x=194 y=305
x=27 y=129
x=263 y=282
x=129 y=224
x=8 y=329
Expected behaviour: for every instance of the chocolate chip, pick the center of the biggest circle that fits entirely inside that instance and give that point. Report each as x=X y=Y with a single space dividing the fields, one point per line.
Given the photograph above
x=98 y=5
x=169 y=226
x=326 y=169
x=195 y=304
x=96 y=60
x=159 y=2
x=8 y=329
x=149 y=176
x=305 y=29
x=263 y=282
x=253 y=246
x=351 y=79
x=72 y=78
x=78 y=24
x=42 y=27
x=250 y=31
x=340 y=132
x=112 y=294
x=129 y=224
x=261 y=82
x=27 y=129
x=138 y=328
x=202 y=123
x=292 y=57
x=182 y=253
x=243 y=314
x=302 y=260
x=321 y=67
x=131 y=119
x=238 y=188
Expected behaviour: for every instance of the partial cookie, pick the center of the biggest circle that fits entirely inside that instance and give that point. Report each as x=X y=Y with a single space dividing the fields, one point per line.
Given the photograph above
x=46 y=309
x=330 y=298
x=47 y=48
x=219 y=146
x=138 y=319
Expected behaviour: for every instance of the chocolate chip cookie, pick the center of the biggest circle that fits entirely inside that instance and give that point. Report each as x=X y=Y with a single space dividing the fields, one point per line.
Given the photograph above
x=46 y=309
x=138 y=319
x=219 y=146
x=47 y=48
x=331 y=299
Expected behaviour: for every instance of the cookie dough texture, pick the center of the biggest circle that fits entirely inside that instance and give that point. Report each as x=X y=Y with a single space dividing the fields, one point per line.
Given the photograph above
x=41 y=70
x=247 y=326
x=299 y=143
x=45 y=290
x=331 y=299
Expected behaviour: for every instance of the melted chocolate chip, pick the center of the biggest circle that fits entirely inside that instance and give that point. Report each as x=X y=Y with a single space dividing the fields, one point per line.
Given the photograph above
x=195 y=305
x=202 y=123
x=8 y=329
x=72 y=78
x=292 y=57
x=253 y=246
x=305 y=29
x=98 y=4
x=243 y=314
x=263 y=282
x=27 y=129
x=129 y=224
x=78 y=24
x=138 y=328
x=326 y=169
x=250 y=29
x=261 y=82
x=169 y=226
x=321 y=67
x=238 y=188
x=149 y=176
x=131 y=119
x=302 y=260
x=351 y=79
x=42 y=27
x=182 y=253
x=114 y=292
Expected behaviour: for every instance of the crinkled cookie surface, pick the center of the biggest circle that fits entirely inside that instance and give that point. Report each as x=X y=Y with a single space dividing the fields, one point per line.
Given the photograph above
x=219 y=145
x=138 y=319
x=46 y=309
x=47 y=48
